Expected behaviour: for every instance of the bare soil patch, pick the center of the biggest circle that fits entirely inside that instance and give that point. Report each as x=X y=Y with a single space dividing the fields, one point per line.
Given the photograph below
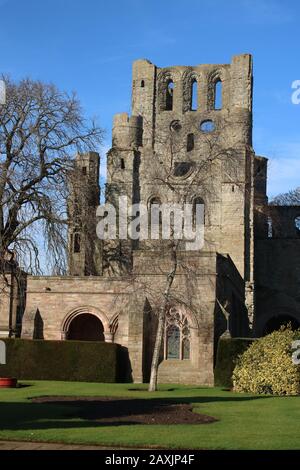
x=117 y=411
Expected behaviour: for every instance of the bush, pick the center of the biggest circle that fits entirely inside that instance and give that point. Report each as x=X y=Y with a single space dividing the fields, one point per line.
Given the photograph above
x=84 y=361
x=267 y=367
x=228 y=351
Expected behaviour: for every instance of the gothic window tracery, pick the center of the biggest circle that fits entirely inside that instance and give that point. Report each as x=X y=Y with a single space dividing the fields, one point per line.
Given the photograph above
x=177 y=335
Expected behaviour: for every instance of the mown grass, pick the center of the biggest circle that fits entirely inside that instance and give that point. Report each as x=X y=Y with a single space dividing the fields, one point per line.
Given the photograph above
x=245 y=421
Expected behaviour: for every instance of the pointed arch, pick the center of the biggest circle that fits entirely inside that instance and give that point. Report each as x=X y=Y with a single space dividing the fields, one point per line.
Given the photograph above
x=155 y=217
x=178 y=333
x=166 y=82
x=197 y=200
x=215 y=90
x=169 y=95
x=190 y=88
x=218 y=89
x=194 y=95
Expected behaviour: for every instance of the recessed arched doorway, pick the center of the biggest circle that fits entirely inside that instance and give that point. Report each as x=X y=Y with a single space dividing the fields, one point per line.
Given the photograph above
x=86 y=327
x=275 y=323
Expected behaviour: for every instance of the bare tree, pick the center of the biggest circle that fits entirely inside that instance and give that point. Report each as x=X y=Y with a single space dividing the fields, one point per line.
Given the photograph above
x=215 y=154
x=41 y=128
x=291 y=198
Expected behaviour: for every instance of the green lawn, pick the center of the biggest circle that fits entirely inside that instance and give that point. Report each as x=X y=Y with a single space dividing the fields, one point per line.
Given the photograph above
x=246 y=421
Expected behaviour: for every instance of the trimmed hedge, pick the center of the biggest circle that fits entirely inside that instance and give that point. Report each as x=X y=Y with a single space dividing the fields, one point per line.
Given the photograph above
x=228 y=351
x=83 y=361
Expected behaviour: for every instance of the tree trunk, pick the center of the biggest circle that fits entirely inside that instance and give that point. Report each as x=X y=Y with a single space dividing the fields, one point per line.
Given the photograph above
x=161 y=322
x=157 y=348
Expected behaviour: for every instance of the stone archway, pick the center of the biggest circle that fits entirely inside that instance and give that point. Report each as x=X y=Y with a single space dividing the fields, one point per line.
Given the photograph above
x=86 y=327
x=86 y=324
x=274 y=323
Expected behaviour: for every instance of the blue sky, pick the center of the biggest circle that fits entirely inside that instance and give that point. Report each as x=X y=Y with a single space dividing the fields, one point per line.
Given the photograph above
x=89 y=46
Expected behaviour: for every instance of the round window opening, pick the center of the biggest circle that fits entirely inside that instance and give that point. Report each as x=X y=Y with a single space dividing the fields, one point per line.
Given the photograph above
x=182 y=168
x=207 y=126
x=175 y=126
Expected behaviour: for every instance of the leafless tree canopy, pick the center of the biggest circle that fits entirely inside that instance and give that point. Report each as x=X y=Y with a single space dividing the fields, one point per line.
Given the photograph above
x=41 y=128
x=291 y=198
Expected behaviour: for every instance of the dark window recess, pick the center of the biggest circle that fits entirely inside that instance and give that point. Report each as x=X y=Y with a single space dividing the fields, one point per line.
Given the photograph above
x=175 y=126
x=190 y=142
x=169 y=95
x=232 y=188
x=84 y=171
x=155 y=200
x=122 y=164
x=76 y=243
x=142 y=83
x=182 y=168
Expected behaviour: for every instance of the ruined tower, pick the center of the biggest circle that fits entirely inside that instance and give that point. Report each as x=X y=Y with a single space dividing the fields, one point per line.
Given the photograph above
x=84 y=248
x=204 y=113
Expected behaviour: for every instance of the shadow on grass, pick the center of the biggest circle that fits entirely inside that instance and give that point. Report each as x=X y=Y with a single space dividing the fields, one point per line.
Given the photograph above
x=20 y=385
x=60 y=412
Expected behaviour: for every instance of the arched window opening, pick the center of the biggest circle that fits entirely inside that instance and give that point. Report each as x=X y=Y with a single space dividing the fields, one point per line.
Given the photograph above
x=77 y=243
x=194 y=97
x=190 y=143
x=169 y=95
x=275 y=323
x=207 y=126
x=198 y=211
x=182 y=168
x=185 y=348
x=154 y=201
x=173 y=342
x=297 y=224
x=177 y=335
x=155 y=217
x=122 y=164
x=142 y=83
x=218 y=95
